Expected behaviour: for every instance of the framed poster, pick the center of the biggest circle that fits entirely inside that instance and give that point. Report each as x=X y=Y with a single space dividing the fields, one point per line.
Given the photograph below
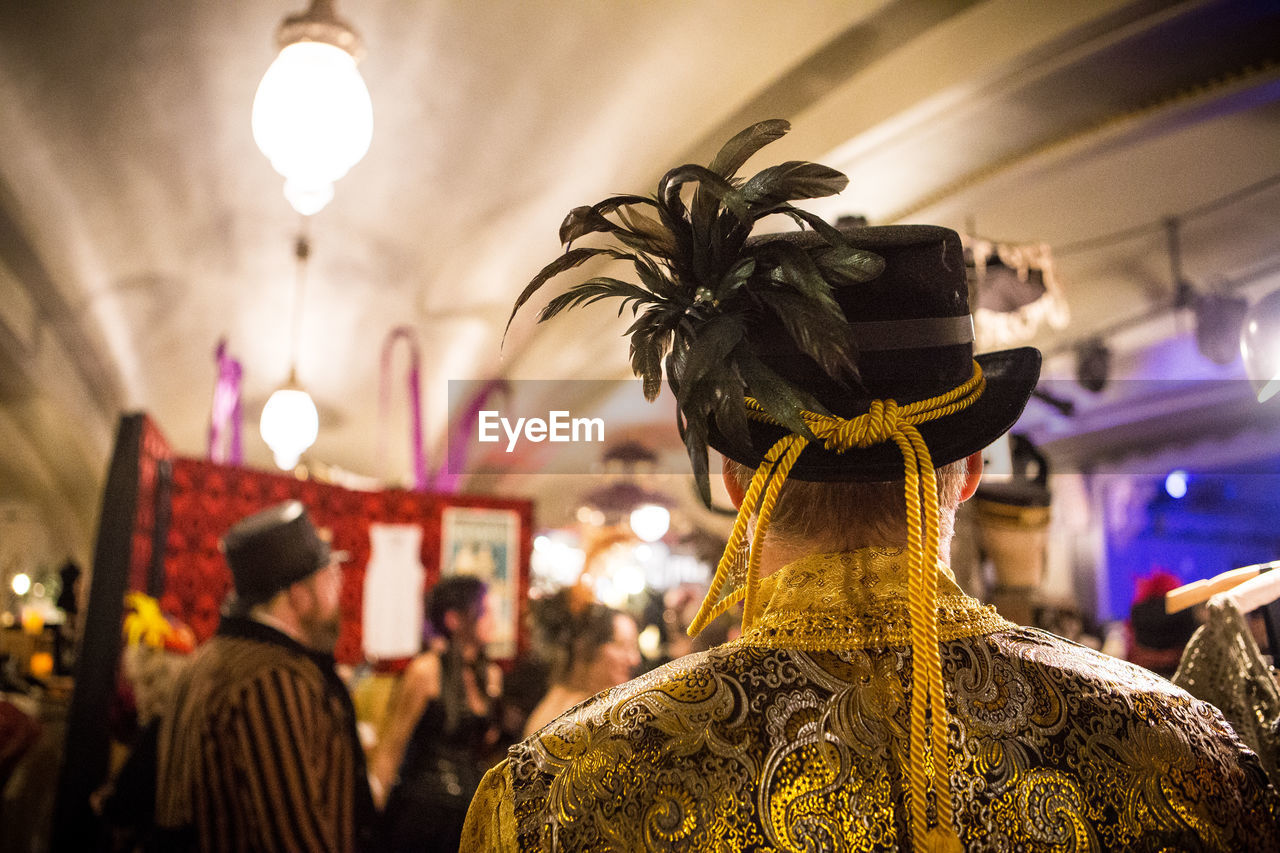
x=486 y=543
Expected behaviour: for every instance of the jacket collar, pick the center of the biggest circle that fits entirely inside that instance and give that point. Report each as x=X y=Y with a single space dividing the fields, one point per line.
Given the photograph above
x=247 y=628
x=858 y=600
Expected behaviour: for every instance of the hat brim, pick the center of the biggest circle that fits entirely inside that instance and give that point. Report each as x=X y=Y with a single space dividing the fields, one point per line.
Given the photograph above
x=1011 y=376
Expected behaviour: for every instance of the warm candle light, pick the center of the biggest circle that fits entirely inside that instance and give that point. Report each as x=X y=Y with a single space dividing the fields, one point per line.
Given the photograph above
x=32 y=621
x=41 y=665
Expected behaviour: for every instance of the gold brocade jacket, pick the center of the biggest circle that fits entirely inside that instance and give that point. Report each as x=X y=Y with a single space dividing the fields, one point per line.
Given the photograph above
x=794 y=737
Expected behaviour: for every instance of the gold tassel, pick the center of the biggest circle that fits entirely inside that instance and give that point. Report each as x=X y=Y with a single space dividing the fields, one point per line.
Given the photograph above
x=884 y=421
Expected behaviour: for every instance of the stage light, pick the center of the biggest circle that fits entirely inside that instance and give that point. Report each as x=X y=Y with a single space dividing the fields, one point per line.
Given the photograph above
x=1219 y=320
x=1093 y=365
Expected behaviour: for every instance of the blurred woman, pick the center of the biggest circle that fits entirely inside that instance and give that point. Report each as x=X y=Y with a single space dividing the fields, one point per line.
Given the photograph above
x=599 y=649
x=440 y=724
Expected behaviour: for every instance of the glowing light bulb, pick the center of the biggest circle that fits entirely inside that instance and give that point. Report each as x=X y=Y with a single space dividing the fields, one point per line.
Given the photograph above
x=290 y=424
x=650 y=522
x=313 y=119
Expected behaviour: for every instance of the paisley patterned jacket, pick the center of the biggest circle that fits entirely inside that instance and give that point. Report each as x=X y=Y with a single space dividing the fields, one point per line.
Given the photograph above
x=794 y=737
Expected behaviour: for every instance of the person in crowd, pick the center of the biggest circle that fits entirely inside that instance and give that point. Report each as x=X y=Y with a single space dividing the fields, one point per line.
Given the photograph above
x=869 y=703
x=441 y=723
x=68 y=601
x=599 y=648
x=259 y=750
x=1155 y=639
x=523 y=686
x=157 y=648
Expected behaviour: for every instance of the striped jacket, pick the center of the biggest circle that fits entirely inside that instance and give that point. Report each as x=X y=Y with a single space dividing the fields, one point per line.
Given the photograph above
x=259 y=751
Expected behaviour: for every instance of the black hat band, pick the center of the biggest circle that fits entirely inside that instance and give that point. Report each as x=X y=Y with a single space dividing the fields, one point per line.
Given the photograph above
x=920 y=333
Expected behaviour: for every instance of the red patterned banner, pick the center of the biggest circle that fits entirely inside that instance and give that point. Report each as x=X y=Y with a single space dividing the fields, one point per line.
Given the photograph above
x=208 y=498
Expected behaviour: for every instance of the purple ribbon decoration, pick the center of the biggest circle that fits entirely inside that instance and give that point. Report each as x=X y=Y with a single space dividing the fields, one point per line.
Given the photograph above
x=447 y=475
x=226 y=409
x=408 y=334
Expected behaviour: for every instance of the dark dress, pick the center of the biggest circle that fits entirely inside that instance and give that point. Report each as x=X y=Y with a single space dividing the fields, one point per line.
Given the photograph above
x=441 y=770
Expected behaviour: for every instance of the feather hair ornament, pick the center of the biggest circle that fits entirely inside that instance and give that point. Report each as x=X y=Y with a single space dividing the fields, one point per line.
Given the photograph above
x=701 y=284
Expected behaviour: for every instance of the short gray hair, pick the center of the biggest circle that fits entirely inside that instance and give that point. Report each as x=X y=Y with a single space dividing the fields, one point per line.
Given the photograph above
x=847 y=515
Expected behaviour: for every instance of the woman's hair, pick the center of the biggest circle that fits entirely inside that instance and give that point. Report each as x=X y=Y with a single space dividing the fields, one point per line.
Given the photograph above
x=464 y=595
x=460 y=594
x=572 y=635
x=852 y=515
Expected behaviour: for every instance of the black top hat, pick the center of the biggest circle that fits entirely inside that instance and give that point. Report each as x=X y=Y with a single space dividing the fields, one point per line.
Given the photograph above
x=913 y=335
x=826 y=320
x=273 y=549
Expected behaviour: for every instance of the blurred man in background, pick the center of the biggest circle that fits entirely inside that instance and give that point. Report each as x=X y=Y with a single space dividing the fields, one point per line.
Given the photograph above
x=260 y=752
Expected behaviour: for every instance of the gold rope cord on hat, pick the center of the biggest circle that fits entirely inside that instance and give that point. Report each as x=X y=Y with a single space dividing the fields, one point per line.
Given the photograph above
x=884 y=421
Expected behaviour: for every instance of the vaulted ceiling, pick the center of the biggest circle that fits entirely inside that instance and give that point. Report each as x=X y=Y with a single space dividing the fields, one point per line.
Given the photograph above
x=139 y=225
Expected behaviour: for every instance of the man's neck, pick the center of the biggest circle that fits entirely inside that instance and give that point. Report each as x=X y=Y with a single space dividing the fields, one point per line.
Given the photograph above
x=282 y=621
x=779 y=552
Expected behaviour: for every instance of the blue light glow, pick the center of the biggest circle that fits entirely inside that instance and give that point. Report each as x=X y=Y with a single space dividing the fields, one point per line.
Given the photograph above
x=1176 y=483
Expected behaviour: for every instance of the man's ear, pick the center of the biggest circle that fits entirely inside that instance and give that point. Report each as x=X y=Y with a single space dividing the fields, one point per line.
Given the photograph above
x=972 y=475
x=736 y=492
x=300 y=595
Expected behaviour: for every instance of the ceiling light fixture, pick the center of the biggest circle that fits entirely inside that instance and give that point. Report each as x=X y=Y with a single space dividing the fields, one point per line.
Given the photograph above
x=1260 y=346
x=312 y=116
x=1218 y=316
x=1219 y=322
x=1093 y=365
x=290 y=423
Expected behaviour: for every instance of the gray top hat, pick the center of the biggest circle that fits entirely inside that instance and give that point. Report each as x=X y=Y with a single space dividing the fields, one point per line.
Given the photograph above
x=273 y=549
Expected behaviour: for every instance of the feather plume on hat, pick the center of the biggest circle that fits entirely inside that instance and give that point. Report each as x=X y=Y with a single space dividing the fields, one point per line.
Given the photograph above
x=701 y=283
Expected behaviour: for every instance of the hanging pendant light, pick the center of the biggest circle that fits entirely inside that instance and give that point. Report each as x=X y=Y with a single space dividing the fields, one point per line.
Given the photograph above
x=312 y=116
x=290 y=423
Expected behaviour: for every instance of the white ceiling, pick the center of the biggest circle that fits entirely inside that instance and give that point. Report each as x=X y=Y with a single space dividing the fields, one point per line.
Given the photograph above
x=139 y=224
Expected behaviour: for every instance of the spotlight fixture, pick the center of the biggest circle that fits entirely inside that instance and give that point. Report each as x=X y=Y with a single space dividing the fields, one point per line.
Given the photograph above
x=312 y=116
x=1260 y=346
x=1218 y=316
x=1219 y=320
x=1093 y=365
